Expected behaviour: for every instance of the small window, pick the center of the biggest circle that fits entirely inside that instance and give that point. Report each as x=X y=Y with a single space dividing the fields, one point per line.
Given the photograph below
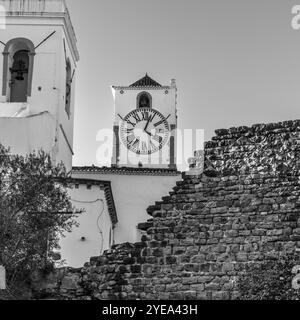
x=144 y=100
x=68 y=88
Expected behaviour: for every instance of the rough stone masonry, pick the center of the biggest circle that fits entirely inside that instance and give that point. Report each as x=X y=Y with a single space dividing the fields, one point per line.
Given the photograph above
x=244 y=209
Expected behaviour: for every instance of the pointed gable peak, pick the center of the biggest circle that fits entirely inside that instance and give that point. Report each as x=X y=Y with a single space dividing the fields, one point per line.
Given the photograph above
x=146 y=81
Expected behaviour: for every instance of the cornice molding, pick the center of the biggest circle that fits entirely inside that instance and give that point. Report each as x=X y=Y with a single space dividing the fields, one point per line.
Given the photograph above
x=126 y=171
x=141 y=88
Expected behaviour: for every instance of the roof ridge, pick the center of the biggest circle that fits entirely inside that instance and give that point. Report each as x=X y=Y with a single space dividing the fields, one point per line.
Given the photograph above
x=146 y=81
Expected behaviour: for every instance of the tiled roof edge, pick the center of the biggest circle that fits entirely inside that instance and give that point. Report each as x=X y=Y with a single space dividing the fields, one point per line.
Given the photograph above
x=108 y=195
x=127 y=171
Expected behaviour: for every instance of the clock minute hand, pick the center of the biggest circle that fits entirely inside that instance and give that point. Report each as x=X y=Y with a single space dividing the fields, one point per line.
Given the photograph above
x=147 y=125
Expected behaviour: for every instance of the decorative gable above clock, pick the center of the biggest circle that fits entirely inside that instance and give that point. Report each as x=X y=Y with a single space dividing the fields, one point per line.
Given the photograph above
x=146 y=81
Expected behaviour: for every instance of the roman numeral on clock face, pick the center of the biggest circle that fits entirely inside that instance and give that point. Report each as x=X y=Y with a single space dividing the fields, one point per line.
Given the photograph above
x=135 y=144
x=152 y=118
x=152 y=145
x=145 y=116
x=144 y=146
x=157 y=138
x=129 y=122
x=159 y=123
x=130 y=138
x=136 y=117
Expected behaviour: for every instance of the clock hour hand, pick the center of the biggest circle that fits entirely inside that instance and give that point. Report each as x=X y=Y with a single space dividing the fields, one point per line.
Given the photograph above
x=155 y=137
x=149 y=134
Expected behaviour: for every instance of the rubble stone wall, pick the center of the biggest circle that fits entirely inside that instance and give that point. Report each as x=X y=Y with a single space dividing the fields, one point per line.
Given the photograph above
x=244 y=209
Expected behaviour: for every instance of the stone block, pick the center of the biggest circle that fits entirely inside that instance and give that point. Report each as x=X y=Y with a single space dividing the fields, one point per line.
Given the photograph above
x=198 y=259
x=70 y=282
x=190 y=295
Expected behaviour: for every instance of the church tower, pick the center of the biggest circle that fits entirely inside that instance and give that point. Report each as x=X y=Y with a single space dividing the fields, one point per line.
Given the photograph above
x=145 y=124
x=38 y=69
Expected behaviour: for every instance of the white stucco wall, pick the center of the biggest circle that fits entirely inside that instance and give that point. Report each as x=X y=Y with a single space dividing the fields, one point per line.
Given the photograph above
x=133 y=194
x=76 y=251
x=25 y=135
x=16 y=110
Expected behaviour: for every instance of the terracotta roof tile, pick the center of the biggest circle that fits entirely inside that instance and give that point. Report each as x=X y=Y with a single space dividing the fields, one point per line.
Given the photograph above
x=146 y=81
x=126 y=170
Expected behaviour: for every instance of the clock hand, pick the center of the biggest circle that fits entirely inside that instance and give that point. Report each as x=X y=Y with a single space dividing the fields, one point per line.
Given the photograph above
x=147 y=125
x=156 y=137
x=149 y=134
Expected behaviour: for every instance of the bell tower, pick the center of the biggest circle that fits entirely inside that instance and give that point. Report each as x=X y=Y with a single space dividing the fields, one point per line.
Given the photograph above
x=37 y=80
x=145 y=124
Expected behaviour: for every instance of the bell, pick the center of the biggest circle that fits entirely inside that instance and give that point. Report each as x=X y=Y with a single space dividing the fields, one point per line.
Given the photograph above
x=20 y=69
x=20 y=75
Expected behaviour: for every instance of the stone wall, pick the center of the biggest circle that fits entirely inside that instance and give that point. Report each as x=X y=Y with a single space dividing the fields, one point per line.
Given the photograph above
x=243 y=209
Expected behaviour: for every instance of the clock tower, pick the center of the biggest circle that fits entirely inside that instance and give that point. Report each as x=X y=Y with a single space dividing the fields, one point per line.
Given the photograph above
x=145 y=125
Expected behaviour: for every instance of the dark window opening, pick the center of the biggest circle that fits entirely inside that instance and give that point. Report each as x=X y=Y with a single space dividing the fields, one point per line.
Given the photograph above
x=144 y=100
x=18 y=60
x=68 y=88
x=19 y=77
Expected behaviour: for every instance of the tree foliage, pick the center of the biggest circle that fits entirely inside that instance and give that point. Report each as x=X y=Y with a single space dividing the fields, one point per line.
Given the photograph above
x=35 y=211
x=270 y=280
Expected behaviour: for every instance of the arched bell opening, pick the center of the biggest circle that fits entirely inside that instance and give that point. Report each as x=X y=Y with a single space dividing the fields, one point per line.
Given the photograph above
x=144 y=100
x=18 y=69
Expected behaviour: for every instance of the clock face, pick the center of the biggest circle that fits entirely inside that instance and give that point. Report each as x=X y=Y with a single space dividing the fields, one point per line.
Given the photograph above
x=144 y=131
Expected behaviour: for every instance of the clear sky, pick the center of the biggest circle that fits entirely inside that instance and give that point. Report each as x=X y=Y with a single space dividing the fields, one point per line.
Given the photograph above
x=236 y=62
